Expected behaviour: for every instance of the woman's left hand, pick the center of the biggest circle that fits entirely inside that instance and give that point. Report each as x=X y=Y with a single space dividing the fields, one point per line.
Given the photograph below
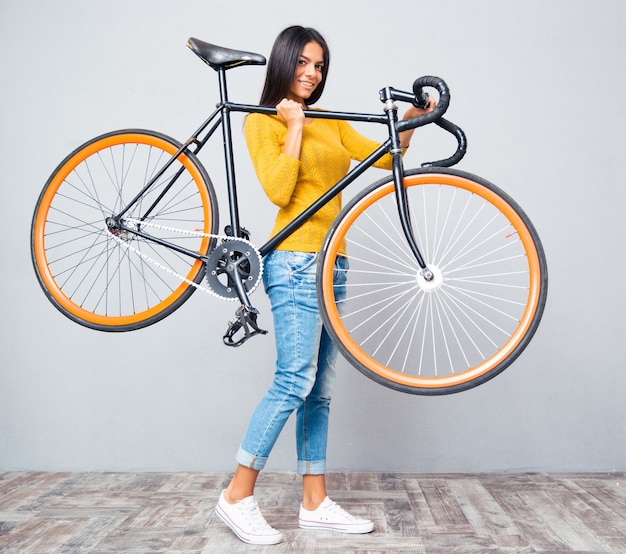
x=405 y=136
x=414 y=112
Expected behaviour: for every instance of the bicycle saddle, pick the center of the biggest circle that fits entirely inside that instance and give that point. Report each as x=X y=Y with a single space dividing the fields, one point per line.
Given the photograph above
x=217 y=56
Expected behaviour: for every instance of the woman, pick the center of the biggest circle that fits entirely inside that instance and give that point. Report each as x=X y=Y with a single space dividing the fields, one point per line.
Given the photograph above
x=296 y=160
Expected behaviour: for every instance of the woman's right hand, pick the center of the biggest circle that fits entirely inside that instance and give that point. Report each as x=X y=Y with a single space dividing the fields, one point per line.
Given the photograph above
x=290 y=112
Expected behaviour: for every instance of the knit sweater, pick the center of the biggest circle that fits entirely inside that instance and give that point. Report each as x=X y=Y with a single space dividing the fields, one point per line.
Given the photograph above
x=328 y=146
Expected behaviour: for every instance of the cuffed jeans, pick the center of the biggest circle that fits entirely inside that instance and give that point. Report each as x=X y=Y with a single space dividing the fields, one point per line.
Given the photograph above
x=305 y=365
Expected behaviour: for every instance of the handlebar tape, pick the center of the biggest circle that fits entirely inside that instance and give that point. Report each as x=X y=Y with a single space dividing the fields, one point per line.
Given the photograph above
x=421 y=97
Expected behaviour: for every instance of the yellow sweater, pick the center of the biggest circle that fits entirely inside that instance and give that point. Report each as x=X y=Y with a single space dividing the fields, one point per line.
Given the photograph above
x=327 y=148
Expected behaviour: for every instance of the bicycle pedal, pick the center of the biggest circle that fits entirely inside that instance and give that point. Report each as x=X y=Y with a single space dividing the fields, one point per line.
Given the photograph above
x=245 y=321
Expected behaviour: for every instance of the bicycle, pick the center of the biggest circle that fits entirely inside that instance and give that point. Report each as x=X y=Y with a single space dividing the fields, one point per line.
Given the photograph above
x=447 y=280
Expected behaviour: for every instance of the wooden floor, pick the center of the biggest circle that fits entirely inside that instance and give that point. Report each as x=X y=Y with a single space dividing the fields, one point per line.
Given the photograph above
x=67 y=513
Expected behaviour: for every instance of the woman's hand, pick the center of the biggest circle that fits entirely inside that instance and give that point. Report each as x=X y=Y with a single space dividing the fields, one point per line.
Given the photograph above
x=405 y=136
x=414 y=112
x=292 y=114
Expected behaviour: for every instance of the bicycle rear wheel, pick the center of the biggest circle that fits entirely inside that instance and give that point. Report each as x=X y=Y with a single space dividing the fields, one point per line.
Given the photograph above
x=116 y=281
x=466 y=325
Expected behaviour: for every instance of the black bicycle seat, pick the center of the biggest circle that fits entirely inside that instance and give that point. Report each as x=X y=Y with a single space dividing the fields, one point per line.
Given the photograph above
x=217 y=56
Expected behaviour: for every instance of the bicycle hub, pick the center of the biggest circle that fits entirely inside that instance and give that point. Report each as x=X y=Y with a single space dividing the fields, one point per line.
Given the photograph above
x=113 y=225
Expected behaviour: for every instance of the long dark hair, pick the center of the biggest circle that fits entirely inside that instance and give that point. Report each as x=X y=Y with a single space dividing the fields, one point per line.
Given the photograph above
x=281 y=67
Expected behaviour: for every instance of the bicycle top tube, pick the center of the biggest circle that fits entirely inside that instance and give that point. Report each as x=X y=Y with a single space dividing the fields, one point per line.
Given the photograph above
x=314 y=114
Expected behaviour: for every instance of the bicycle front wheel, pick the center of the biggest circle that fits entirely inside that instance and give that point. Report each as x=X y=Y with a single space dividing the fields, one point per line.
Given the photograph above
x=119 y=281
x=467 y=324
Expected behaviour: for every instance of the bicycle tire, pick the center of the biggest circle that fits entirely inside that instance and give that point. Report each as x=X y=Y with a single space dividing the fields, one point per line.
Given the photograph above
x=457 y=331
x=118 y=283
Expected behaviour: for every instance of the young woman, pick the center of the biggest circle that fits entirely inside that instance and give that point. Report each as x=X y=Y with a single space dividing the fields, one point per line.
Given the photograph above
x=296 y=160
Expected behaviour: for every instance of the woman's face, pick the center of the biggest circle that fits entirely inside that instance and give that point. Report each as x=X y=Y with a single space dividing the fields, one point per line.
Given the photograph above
x=308 y=72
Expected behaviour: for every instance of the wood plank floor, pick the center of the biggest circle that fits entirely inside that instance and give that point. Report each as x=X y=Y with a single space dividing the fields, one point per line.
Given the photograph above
x=66 y=513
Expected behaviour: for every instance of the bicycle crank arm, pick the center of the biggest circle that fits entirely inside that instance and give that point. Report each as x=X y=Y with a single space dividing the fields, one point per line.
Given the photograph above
x=245 y=316
x=245 y=321
x=234 y=274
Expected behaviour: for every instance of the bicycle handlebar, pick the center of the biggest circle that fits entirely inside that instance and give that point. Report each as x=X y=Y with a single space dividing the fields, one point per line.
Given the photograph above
x=419 y=99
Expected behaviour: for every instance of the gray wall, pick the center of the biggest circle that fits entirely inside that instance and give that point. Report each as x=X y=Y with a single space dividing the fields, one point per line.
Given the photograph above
x=537 y=85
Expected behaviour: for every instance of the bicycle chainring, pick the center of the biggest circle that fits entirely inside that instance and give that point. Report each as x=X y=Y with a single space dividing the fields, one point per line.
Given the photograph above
x=245 y=256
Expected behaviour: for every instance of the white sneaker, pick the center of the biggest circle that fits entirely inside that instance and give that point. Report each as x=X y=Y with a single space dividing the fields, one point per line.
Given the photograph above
x=246 y=521
x=329 y=515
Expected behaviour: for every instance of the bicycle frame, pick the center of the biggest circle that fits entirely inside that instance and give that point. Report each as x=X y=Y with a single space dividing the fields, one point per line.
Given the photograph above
x=221 y=117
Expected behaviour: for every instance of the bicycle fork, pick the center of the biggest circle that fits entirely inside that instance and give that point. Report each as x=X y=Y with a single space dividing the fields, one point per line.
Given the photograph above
x=402 y=200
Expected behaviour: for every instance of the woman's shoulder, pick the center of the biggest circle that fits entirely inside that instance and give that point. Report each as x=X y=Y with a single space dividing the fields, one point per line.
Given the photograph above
x=256 y=122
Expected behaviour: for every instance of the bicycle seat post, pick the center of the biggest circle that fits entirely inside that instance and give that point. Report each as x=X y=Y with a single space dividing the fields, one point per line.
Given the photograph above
x=228 y=154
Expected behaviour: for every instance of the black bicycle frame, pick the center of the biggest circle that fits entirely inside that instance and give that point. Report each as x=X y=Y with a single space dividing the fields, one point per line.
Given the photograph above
x=225 y=107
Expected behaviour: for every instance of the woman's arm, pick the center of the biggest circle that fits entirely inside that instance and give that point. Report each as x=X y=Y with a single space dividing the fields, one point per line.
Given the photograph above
x=276 y=170
x=291 y=114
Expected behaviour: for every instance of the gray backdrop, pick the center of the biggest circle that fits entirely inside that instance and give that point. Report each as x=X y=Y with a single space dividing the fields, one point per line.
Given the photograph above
x=537 y=85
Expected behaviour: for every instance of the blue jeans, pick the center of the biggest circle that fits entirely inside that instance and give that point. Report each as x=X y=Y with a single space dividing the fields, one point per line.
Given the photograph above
x=305 y=364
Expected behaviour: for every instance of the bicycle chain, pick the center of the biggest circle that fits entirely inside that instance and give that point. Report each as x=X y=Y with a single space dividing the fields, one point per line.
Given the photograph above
x=223 y=238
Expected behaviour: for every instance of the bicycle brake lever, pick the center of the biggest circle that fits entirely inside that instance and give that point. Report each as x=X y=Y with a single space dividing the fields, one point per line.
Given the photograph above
x=245 y=319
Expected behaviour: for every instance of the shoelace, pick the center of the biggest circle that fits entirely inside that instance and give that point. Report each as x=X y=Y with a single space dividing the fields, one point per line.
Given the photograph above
x=249 y=509
x=333 y=508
